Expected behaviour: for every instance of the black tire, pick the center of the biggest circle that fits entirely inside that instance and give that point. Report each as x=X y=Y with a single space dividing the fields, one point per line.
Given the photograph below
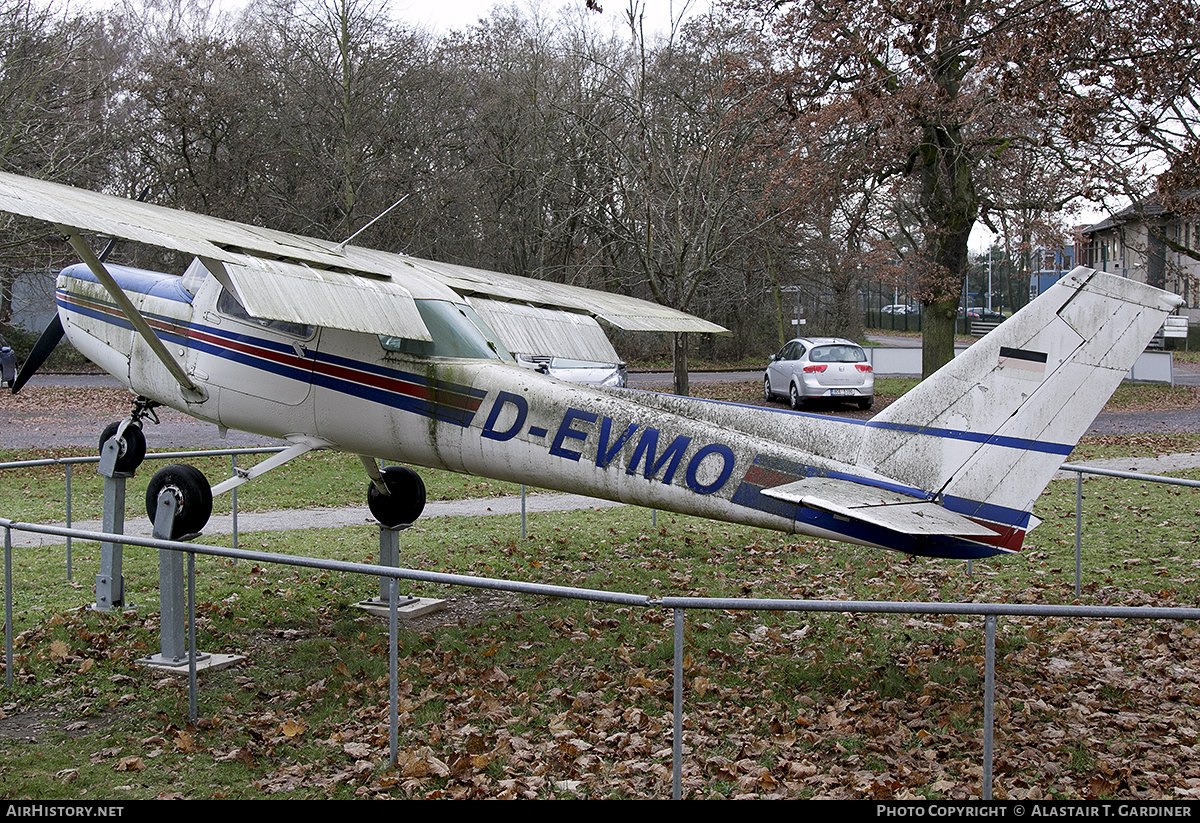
x=865 y=403
x=132 y=446
x=794 y=398
x=404 y=501
x=768 y=395
x=192 y=493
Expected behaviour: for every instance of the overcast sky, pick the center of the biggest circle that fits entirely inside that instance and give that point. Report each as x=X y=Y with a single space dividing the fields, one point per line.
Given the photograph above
x=445 y=15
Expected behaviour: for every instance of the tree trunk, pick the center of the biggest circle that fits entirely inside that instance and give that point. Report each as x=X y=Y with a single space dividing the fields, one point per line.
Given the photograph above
x=679 y=358
x=938 y=321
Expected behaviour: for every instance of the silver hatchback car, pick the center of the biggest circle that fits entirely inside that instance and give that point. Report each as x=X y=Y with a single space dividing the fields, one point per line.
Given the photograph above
x=809 y=367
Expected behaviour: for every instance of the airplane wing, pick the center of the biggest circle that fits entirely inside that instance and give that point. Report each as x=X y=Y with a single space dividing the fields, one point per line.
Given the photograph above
x=878 y=507
x=282 y=276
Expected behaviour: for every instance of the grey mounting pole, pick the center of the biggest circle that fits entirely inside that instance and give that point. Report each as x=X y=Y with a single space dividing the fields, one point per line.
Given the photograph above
x=110 y=583
x=389 y=555
x=172 y=600
x=389 y=598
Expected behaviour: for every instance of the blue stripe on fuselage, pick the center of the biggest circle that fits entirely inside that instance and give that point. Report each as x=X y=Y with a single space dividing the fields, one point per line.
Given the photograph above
x=1022 y=443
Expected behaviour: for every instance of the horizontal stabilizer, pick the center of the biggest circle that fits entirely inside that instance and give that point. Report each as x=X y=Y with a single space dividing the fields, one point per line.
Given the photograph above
x=878 y=507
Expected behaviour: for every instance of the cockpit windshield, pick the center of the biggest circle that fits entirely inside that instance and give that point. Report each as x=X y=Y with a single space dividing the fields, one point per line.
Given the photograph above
x=457 y=331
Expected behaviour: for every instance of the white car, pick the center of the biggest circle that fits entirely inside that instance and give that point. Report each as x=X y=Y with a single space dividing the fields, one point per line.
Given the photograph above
x=810 y=367
x=576 y=371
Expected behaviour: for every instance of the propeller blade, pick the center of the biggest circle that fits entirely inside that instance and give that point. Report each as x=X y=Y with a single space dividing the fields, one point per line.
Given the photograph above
x=41 y=350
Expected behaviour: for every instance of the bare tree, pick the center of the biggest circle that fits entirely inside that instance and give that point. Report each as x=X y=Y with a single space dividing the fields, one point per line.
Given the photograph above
x=55 y=75
x=947 y=89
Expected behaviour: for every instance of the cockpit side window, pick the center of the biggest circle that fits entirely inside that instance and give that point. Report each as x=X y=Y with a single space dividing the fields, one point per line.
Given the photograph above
x=228 y=305
x=193 y=278
x=457 y=331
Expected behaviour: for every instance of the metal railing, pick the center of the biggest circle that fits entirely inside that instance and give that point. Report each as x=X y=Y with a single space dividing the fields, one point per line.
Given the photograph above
x=1080 y=471
x=68 y=462
x=679 y=606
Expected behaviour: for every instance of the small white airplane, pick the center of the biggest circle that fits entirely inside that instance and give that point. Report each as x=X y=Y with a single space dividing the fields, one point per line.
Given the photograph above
x=389 y=357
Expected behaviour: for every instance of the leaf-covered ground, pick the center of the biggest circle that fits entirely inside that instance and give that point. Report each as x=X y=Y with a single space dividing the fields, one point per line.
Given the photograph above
x=509 y=696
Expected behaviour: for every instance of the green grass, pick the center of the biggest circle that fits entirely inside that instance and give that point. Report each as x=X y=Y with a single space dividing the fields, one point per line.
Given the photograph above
x=315 y=480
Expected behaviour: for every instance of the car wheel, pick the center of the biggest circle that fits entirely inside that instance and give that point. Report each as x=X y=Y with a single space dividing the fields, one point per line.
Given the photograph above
x=767 y=394
x=794 y=398
x=865 y=403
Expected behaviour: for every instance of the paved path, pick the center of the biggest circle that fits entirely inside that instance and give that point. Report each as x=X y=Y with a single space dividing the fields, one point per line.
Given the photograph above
x=287 y=520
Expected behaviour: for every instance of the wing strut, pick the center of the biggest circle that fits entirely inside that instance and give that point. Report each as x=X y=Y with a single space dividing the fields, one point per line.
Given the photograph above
x=298 y=447
x=129 y=310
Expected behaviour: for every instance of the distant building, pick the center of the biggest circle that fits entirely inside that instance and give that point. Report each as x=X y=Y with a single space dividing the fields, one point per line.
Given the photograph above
x=29 y=304
x=1051 y=264
x=1148 y=243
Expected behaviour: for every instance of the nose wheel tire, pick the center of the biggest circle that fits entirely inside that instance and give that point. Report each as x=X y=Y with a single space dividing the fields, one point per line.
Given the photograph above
x=193 y=498
x=131 y=447
x=404 y=501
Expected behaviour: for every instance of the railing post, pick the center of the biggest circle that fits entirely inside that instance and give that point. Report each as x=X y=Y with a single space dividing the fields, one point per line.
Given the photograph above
x=233 y=499
x=677 y=742
x=1078 y=530
x=393 y=669
x=989 y=702
x=8 y=626
x=67 y=502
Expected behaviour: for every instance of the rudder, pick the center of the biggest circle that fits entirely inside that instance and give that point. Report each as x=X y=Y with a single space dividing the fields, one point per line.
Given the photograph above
x=986 y=432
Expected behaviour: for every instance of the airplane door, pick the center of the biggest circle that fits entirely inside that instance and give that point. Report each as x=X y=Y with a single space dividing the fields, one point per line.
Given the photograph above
x=249 y=360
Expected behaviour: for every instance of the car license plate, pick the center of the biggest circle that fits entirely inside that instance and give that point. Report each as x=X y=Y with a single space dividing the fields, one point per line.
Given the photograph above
x=840 y=392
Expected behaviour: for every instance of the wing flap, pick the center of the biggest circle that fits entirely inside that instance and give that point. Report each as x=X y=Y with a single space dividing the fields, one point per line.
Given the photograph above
x=878 y=507
x=622 y=311
x=538 y=330
x=285 y=291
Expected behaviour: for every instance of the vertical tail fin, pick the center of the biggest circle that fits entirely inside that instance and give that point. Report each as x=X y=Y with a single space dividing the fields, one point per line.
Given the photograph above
x=988 y=431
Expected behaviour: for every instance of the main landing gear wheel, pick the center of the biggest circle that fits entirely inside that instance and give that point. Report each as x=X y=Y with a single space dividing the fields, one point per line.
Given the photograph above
x=131 y=447
x=193 y=497
x=405 y=498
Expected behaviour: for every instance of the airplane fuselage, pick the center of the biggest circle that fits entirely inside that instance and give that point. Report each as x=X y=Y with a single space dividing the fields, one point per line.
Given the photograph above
x=486 y=417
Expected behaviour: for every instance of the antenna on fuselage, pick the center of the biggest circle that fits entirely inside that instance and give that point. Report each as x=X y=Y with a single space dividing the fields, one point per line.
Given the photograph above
x=342 y=245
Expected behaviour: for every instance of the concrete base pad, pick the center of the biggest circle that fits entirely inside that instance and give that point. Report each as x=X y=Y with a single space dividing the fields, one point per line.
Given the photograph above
x=406 y=608
x=204 y=662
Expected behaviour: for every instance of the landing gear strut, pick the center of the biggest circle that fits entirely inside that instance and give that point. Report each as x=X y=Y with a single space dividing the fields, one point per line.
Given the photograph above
x=131 y=441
